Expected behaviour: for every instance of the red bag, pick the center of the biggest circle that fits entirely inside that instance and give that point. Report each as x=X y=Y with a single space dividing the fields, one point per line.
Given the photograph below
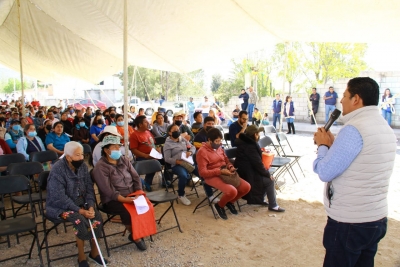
x=267 y=159
x=144 y=224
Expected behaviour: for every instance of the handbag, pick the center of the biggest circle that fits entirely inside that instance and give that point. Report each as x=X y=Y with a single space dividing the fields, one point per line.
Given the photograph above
x=189 y=167
x=232 y=179
x=267 y=159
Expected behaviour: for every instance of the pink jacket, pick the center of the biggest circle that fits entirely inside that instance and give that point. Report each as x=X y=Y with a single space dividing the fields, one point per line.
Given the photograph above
x=209 y=161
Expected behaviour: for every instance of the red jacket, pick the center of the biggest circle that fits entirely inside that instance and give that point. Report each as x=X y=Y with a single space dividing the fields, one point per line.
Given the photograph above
x=5 y=147
x=209 y=161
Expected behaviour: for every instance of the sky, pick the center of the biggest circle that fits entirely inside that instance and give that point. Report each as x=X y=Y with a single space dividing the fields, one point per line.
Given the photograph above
x=379 y=57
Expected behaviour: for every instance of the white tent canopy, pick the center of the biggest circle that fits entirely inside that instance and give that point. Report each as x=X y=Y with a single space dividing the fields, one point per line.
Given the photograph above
x=83 y=38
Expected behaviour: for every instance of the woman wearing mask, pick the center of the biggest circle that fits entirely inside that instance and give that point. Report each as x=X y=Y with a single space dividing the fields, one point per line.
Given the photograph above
x=68 y=126
x=30 y=143
x=111 y=119
x=46 y=129
x=81 y=132
x=288 y=111
x=173 y=148
x=95 y=130
x=120 y=127
x=14 y=133
x=56 y=140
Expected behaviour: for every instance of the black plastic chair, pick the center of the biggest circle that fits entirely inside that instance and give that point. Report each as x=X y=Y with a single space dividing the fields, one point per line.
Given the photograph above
x=8 y=185
x=7 y=159
x=227 y=138
x=159 y=140
x=151 y=166
x=43 y=156
x=27 y=169
x=281 y=137
x=86 y=149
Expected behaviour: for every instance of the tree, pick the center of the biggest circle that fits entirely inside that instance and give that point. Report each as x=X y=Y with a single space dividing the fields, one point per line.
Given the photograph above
x=216 y=82
x=9 y=86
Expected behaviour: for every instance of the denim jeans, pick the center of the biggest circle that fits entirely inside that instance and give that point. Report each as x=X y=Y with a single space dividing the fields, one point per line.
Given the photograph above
x=250 y=111
x=244 y=106
x=328 y=110
x=387 y=116
x=276 y=117
x=352 y=244
x=204 y=115
x=290 y=120
x=183 y=176
x=190 y=117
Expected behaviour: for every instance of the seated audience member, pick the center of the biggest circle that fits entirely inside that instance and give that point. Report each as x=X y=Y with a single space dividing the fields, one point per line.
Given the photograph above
x=95 y=129
x=132 y=112
x=120 y=127
x=141 y=143
x=70 y=197
x=81 y=132
x=68 y=125
x=198 y=124
x=256 y=117
x=46 y=129
x=88 y=116
x=173 y=148
x=238 y=126
x=14 y=133
x=4 y=150
x=108 y=130
x=250 y=167
x=212 y=163
x=30 y=143
x=141 y=112
x=50 y=116
x=160 y=127
x=56 y=139
x=14 y=116
x=220 y=115
x=185 y=131
x=265 y=120
x=39 y=120
x=78 y=116
x=160 y=110
x=111 y=118
x=201 y=136
x=116 y=179
x=235 y=116
x=212 y=114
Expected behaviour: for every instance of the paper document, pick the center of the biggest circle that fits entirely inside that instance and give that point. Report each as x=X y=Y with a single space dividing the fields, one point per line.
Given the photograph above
x=189 y=159
x=155 y=154
x=141 y=205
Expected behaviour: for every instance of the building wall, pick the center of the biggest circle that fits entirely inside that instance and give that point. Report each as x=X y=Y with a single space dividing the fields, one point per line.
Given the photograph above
x=385 y=80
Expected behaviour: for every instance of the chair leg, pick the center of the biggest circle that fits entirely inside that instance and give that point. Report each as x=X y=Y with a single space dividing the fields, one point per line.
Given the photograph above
x=105 y=241
x=176 y=218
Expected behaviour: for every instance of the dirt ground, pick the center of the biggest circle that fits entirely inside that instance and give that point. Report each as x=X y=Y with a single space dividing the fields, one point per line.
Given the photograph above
x=256 y=237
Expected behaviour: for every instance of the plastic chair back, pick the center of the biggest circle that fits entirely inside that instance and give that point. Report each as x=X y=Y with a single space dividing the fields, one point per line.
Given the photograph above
x=13 y=183
x=25 y=168
x=147 y=166
x=230 y=152
x=7 y=159
x=43 y=156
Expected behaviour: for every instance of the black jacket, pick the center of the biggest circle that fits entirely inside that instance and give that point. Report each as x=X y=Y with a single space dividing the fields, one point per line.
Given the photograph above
x=250 y=168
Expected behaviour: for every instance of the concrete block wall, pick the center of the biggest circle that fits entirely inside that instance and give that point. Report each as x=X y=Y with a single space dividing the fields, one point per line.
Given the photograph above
x=385 y=80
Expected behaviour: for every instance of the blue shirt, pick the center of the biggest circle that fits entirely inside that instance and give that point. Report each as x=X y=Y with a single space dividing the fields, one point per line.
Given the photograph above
x=330 y=163
x=331 y=101
x=234 y=129
x=190 y=106
x=94 y=129
x=57 y=141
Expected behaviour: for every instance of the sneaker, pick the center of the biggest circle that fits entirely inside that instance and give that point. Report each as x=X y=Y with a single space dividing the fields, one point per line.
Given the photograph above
x=213 y=200
x=221 y=212
x=231 y=208
x=184 y=200
x=146 y=185
x=97 y=260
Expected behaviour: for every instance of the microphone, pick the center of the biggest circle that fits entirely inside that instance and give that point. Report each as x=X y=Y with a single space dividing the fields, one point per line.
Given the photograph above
x=334 y=116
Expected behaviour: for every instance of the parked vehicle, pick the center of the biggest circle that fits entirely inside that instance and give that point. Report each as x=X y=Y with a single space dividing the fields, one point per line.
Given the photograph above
x=135 y=101
x=95 y=104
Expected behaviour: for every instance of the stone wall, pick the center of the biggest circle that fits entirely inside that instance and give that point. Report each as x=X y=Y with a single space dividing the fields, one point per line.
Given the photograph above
x=385 y=80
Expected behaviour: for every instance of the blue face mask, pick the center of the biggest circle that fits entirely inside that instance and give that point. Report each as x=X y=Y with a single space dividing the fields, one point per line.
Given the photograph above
x=16 y=127
x=120 y=123
x=32 y=134
x=81 y=124
x=115 y=154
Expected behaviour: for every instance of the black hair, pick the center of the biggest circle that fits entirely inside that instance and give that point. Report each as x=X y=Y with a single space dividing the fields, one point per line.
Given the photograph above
x=366 y=88
x=140 y=109
x=160 y=115
x=384 y=94
x=57 y=123
x=103 y=153
x=242 y=112
x=118 y=115
x=214 y=134
x=287 y=98
x=196 y=114
x=170 y=127
x=207 y=119
x=139 y=120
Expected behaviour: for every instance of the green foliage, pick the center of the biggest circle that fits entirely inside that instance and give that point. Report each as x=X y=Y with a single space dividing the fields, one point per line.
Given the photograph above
x=8 y=87
x=216 y=82
x=151 y=84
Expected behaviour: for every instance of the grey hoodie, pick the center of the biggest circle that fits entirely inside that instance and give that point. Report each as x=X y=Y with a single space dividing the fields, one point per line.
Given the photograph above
x=173 y=150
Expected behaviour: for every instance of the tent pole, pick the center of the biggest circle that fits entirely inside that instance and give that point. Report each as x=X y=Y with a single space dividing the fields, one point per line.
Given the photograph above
x=125 y=67
x=283 y=87
x=20 y=59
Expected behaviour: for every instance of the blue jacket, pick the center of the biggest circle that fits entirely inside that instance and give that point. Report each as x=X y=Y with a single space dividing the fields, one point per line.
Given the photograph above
x=291 y=109
x=23 y=144
x=245 y=97
x=277 y=106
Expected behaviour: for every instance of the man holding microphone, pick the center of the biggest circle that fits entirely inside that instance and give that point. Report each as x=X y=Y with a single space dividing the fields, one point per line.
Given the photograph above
x=356 y=167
